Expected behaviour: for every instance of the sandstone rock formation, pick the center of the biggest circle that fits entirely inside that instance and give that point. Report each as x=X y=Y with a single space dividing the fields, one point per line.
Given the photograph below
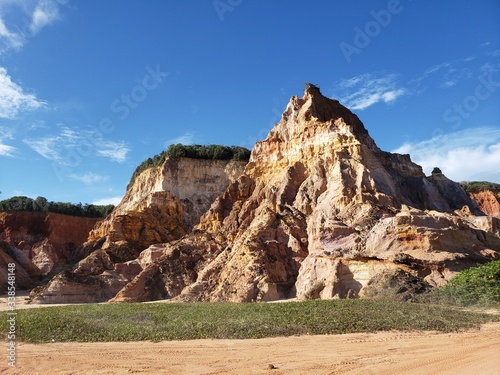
x=488 y=201
x=162 y=204
x=39 y=243
x=319 y=212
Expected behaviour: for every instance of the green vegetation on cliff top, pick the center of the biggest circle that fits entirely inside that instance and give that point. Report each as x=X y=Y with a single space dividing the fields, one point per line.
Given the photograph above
x=207 y=152
x=477 y=186
x=40 y=204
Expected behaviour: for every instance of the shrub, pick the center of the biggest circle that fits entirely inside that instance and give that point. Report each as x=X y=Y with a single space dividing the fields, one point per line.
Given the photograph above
x=474 y=286
x=476 y=186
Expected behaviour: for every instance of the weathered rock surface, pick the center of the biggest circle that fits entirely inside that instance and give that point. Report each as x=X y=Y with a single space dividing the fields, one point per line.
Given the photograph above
x=488 y=201
x=163 y=204
x=321 y=212
x=38 y=242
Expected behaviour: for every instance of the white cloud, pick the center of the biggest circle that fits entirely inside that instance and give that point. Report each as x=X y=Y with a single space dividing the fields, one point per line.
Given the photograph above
x=363 y=91
x=89 y=178
x=48 y=147
x=70 y=145
x=9 y=40
x=106 y=201
x=448 y=74
x=116 y=151
x=6 y=150
x=466 y=155
x=46 y=12
x=435 y=68
x=449 y=83
x=185 y=139
x=27 y=18
x=13 y=99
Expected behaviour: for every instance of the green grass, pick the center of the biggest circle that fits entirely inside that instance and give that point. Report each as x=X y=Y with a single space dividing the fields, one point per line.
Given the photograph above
x=475 y=286
x=174 y=321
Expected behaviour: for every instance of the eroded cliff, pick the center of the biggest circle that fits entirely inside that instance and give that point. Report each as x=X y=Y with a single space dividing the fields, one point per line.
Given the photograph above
x=162 y=205
x=39 y=243
x=488 y=201
x=318 y=212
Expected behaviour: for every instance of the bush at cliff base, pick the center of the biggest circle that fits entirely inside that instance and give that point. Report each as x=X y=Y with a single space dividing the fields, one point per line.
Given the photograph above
x=474 y=286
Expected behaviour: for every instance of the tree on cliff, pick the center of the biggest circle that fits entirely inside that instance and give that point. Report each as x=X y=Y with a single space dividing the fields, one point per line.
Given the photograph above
x=41 y=204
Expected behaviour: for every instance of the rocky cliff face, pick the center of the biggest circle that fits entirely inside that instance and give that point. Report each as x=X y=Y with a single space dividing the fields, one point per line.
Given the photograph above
x=39 y=243
x=162 y=205
x=488 y=201
x=319 y=212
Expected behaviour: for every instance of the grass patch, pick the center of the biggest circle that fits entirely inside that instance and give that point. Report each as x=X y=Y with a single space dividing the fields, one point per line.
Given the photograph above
x=174 y=321
x=475 y=286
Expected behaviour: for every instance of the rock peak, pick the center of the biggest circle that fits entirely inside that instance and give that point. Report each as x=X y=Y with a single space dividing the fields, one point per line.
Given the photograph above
x=315 y=113
x=312 y=89
x=326 y=109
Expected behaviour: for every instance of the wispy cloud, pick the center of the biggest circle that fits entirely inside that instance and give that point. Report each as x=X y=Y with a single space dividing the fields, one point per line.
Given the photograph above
x=46 y=12
x=9 y=40
x=106 y=201
x=47 y=147
x=35 y=15
x=185 y=139
x=13 y=99
x=448 y=74
x=116 y=151
x=89 y=178
x=69 y=144
x=6 y=150
x=365 y=90
x=466 y=155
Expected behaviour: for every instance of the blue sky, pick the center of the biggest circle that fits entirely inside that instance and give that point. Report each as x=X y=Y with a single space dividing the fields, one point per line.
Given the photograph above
x=89 y=89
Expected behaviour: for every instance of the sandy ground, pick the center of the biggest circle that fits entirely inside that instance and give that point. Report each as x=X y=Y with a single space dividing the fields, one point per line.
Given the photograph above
x=471 y=352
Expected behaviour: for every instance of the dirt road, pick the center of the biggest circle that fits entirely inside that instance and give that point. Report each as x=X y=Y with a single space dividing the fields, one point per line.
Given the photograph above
x=471 y=352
